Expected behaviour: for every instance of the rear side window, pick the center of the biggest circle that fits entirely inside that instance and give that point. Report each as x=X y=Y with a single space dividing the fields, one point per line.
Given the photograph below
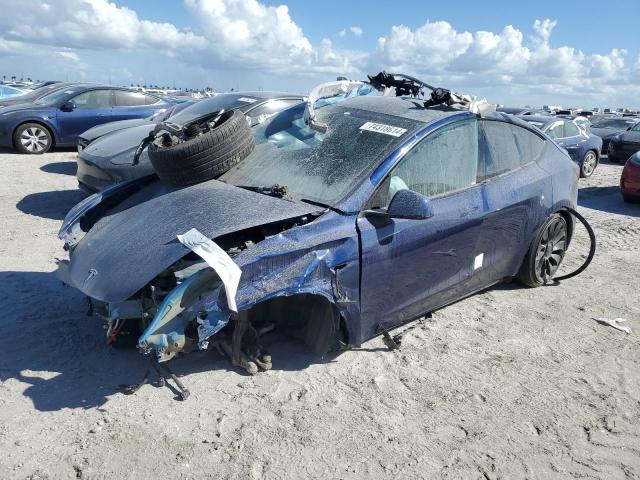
x=133 y=99
x=507 y=147
x=570 y=129
x=501 y=154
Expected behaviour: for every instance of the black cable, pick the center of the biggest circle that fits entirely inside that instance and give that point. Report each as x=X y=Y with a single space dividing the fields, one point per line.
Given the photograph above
x=592 y=248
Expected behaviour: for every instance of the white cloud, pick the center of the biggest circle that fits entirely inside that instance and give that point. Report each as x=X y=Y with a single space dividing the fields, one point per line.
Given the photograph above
x=247 y=35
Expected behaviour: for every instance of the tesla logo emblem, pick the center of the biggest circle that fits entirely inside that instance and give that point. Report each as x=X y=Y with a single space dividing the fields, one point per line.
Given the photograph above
x=92 y=273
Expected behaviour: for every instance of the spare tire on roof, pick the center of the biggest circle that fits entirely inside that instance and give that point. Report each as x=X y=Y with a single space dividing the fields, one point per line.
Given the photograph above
x=202 y=154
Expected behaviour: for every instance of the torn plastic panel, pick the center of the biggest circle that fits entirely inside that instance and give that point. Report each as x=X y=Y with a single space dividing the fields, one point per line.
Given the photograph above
x=320 y=258
x=330 y=93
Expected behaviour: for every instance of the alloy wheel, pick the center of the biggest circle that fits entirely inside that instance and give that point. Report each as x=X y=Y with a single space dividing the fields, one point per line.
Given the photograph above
x=551 y=249
x=34 y=139
x=589 y=164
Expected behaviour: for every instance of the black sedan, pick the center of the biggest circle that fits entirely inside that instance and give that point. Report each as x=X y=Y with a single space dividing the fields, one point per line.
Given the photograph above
x=112 y=158
x=625 y=144
x=607 y=127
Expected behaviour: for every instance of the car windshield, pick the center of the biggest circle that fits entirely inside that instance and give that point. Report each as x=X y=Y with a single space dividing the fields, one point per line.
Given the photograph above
x=223 y=101
x=636 y=127
x=318 y=166
x=612 y=123
x=55 y=97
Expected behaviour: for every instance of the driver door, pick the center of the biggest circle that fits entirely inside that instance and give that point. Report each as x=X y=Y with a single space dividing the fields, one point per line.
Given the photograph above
x=410 y=267
x=91 y=108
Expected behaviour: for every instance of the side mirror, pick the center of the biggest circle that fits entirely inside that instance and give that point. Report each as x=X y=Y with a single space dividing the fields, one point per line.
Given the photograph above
x=410 y=205
x=68 y=106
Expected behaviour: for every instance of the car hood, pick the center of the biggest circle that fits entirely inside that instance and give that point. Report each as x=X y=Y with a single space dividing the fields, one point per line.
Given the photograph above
x=112 y=146
x=26 y=107
x=136 y=240
x=630 y=137
x=101 y=130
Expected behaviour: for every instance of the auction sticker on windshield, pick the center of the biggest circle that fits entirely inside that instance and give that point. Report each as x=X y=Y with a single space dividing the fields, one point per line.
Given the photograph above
x=247 y=100
x=382 y=128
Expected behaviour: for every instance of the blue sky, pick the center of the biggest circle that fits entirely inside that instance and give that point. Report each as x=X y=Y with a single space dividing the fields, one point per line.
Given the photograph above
x=574 y=52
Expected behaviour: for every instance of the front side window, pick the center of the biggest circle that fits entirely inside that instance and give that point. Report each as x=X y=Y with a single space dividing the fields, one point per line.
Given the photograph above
x=93 y=99
x=444 y=162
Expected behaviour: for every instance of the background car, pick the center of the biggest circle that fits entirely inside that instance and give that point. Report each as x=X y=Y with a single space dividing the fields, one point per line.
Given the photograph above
x=98 y=131
x=583 y=147
x=109 y=158
x=607 y=127
x=59 y=117
x=7 y=91
x=437 y=201
x=625 y=144
x=35 y=94
x=630 y=179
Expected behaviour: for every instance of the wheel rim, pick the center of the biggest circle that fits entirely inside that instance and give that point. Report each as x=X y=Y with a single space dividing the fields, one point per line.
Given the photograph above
x=551 y=249
x=589 y=164
x=34 y=139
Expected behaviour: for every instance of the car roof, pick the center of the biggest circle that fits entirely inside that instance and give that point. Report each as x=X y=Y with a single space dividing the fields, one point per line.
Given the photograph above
x=404 y=107
x=540 y=118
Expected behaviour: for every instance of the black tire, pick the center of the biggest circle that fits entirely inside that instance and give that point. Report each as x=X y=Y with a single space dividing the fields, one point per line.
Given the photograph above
x=588 y=164
x=630 y=199
x=546 y=252
x=206 y=156
x=32 y=139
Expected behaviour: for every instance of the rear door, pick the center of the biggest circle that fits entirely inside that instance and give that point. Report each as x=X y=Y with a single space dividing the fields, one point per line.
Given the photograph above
x=92 y=108
x=515 y=190
x=410 y=267
x=128 y=105
x=573 y=140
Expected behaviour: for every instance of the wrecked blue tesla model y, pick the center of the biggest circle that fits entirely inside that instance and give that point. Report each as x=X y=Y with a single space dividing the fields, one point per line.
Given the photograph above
x=374 y=213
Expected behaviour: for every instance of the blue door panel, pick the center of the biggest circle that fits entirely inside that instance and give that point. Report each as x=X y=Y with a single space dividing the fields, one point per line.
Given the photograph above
x=515 y=205
x=410 y=267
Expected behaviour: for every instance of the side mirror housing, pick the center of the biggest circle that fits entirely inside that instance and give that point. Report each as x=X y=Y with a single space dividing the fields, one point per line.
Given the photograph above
x=68 y=106
x=410 y=205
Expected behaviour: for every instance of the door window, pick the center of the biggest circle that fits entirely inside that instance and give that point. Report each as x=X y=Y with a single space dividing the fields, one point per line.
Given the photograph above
x=132 y=99
x=507 y=148
x=571 y=129
x=444 y=162
x=557 y=131
x=93 y=99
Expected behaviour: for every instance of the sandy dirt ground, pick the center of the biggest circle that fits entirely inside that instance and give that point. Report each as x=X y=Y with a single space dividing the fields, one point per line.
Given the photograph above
x=510 y=383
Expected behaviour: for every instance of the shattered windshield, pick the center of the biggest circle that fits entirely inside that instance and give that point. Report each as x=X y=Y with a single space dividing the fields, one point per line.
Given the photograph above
x=315 y=165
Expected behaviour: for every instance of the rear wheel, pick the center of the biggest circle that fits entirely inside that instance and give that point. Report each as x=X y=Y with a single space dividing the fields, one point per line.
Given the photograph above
x=32 y=138
x=546 y=252
x=588 y=164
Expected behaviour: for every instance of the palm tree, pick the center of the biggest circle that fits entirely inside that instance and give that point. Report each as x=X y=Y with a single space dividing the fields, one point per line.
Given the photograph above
x=13 y=78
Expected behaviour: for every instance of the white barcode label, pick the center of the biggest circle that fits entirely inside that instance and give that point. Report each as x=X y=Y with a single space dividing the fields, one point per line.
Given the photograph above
x=247 y=100
x=382 y=128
